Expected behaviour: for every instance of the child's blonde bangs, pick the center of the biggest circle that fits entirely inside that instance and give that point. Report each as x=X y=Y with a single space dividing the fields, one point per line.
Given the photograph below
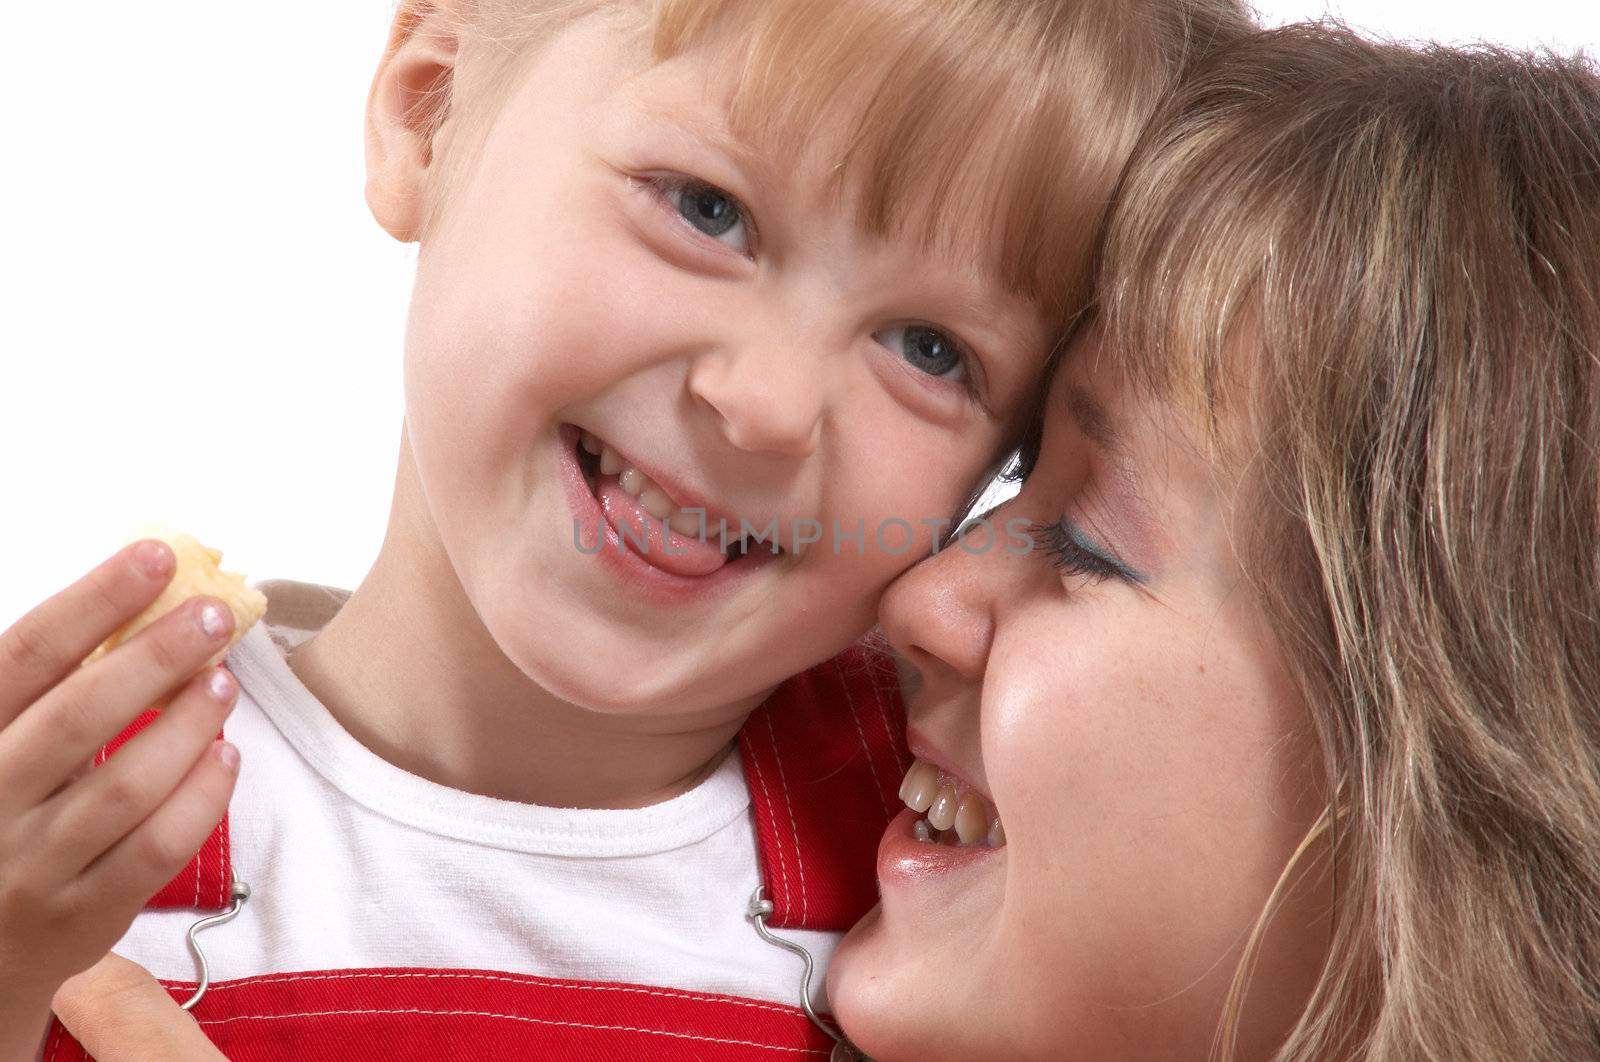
x=979 y=128
x=993 y=130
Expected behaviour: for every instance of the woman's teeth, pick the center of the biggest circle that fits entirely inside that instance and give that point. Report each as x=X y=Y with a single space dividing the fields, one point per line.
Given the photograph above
x=953 y=816
x=652 y=499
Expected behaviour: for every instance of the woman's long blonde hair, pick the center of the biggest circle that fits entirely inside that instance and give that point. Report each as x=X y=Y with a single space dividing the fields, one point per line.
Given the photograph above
x=1385 y=264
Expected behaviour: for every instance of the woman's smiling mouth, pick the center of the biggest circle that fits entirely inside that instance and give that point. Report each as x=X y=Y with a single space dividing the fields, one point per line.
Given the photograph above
x=947 y=825
x=956 y=814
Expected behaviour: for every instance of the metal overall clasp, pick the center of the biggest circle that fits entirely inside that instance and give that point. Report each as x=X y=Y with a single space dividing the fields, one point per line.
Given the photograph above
x=240 y=892
x=758 y=912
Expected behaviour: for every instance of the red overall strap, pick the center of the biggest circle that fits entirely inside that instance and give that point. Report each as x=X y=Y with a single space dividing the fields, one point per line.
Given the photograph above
x=205 y=883
x=413 y=1015
x=824 y=756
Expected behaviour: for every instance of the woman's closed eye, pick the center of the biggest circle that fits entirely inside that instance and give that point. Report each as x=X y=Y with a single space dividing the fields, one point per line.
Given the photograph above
x=1074 y=553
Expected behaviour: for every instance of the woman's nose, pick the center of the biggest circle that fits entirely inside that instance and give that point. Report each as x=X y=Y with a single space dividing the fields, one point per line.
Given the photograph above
x=767 y=399
x=942 y=613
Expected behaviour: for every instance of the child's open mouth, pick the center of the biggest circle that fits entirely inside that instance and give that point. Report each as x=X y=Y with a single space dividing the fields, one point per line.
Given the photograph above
x=682 y=540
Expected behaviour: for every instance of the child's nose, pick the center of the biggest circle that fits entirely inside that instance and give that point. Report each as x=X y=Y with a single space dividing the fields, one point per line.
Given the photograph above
x=768 y=400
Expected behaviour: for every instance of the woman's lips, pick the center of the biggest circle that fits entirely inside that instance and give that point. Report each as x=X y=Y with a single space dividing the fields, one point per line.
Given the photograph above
x=947 y=825
x=905 y=860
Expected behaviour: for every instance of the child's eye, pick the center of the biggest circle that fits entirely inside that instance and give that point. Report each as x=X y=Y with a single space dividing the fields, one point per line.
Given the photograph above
x=708 y=209
x=1073 y=554
x=927 y=350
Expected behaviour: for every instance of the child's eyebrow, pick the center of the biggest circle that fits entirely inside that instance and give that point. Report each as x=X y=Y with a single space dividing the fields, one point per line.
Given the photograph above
x=978 y=296
x=692 y=121
x=984 y=298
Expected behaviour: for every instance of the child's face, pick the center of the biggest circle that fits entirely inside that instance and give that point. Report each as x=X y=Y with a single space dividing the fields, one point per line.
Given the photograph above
x=618 y=265
x=1143 y=745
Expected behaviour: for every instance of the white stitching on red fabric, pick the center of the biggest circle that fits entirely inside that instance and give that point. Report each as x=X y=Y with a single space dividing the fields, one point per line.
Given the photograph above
x=409 y=975
x=866 y=749
x=225 y=885
x=55 y=1045
x=799 y=858
x=766 y=794
x=516 y=1017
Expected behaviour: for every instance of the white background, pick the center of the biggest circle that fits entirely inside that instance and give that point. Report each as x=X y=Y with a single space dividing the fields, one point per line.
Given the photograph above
x=200 y=324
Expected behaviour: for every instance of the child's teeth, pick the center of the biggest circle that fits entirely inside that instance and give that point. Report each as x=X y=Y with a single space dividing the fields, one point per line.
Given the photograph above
x=652 y=499
x=921 y=830
x=654 y=502
x=920 y=787
x=972 y=820
x=942 y=813
x=997 y=835
x=685 y=523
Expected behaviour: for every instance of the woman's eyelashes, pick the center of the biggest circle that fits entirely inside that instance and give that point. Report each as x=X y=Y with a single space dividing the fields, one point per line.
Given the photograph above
x=708 y=210
x=1073 y=553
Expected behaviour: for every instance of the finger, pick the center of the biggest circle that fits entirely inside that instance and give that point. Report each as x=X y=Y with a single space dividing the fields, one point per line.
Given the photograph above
x=48 y=643
x=49 y=742
x=119 y=1013
x=97 y=811
x=160 y=846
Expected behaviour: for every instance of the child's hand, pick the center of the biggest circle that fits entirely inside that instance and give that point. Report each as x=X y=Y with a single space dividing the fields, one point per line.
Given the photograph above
x=81 y=851
x=119 y=1013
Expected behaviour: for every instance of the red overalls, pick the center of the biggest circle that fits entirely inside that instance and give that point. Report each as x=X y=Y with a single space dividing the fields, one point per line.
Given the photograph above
x=823 y=757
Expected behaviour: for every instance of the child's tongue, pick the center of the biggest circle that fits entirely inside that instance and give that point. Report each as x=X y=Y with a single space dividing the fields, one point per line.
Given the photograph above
x=671 y=552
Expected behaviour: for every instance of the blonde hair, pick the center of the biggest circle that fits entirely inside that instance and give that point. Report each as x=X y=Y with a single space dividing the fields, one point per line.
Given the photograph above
x=1383 y=262
x=995 y=127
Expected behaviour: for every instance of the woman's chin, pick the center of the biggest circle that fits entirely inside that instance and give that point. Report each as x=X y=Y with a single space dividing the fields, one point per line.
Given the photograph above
x=891 y=998
x=864 y=979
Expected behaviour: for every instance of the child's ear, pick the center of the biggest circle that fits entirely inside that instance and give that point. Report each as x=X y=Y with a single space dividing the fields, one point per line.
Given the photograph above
x=406 y=109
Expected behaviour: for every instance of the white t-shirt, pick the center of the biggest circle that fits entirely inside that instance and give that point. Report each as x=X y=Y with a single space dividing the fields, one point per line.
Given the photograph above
x=353 y=862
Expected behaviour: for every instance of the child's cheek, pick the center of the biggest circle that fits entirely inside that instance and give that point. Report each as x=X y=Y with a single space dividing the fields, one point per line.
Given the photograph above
x=897 y=492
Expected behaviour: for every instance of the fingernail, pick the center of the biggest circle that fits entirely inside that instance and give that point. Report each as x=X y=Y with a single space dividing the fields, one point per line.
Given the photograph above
x=227 y=755
x=220 y=686
x=211 y=620
x=153 y=558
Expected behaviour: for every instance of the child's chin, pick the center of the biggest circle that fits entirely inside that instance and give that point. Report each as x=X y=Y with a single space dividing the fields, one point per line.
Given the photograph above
x=591 y=678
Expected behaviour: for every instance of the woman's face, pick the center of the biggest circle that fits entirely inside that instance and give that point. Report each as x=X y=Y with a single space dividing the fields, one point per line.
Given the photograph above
x=1115 y=699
